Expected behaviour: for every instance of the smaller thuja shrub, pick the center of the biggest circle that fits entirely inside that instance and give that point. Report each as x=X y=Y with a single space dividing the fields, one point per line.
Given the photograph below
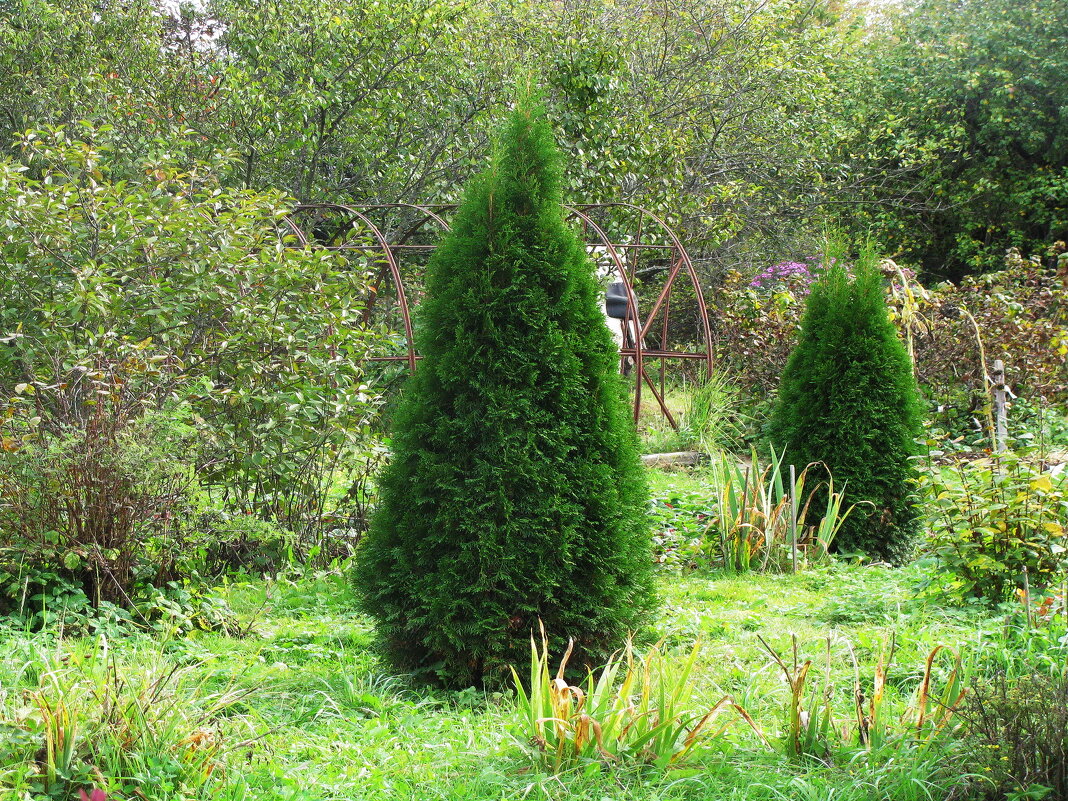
x=848 y=399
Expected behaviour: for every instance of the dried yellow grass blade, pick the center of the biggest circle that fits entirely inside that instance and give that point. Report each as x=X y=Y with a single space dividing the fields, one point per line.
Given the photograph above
x=925 y=689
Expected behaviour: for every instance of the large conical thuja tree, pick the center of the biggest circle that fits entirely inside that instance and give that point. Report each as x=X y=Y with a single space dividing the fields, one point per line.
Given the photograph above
x=515 y=492
x=848 y=399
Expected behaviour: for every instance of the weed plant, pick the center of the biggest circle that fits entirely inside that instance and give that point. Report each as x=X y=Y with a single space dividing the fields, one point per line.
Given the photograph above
x=815 y=731
x=765 y=519
x=94 y=510
x=632 y=710
x=1017 y=735
x=742 y=517
x=711 y=417
x=681 y=510
x=86 y=718
x=714 y=419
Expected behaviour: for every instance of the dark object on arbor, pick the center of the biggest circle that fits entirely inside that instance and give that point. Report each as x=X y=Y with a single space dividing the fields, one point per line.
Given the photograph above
x=515 y=493
x=848 y=399
x=638 y=249
x=617 y=300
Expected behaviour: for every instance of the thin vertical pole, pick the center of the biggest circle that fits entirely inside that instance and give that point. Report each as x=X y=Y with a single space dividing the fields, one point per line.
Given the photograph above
x=1001 y=406
x=793 y=521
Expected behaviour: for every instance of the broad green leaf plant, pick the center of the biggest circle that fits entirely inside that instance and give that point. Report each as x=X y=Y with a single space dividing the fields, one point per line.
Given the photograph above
x=263 y=339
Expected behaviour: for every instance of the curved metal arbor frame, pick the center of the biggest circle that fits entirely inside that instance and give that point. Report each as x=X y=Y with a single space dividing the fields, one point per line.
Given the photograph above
x=635 y=246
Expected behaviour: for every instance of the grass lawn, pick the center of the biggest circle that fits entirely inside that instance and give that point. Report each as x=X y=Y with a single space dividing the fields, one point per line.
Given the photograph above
x=294 y=704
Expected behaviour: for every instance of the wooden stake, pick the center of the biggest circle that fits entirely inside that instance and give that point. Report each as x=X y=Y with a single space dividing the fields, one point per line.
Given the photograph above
x=1001 y=406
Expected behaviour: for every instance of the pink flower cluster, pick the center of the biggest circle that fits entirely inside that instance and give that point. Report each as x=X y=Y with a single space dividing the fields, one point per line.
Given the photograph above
x=797 y=274
x=782 y=273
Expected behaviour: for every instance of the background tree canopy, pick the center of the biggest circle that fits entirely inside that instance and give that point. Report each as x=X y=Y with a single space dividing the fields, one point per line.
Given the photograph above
x=940 y=125
x=959 y=114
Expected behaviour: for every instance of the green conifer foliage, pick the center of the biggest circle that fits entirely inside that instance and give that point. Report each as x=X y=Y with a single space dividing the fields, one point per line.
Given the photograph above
x=848 y=399
x=515 y=492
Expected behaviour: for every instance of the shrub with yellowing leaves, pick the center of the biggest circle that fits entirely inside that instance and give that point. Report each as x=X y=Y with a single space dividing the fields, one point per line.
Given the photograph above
x=997 y=525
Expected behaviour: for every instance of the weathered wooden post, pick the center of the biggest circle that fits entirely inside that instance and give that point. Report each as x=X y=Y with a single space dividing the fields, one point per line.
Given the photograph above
x=1001 y=403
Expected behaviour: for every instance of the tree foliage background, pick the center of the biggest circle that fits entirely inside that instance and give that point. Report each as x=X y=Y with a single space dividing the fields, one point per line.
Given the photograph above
x=709 y=112
x=958 y=116
x=939 y=124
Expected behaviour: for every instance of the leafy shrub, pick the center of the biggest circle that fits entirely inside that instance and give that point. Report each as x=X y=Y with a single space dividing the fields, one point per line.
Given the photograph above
x=848 y=400
x=1022 y=314
x=1038 y=424
x=963 y=113
x=515 y=492
x=633 y=710
x=1016 y=735
x=262 y=338
x=783 y=274
x=755 y=330
x=93 y=491
x=996 y=525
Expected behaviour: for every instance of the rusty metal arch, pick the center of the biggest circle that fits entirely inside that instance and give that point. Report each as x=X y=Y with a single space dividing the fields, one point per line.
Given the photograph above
x=391 y=243
x=386 y=249
x=679 y=260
